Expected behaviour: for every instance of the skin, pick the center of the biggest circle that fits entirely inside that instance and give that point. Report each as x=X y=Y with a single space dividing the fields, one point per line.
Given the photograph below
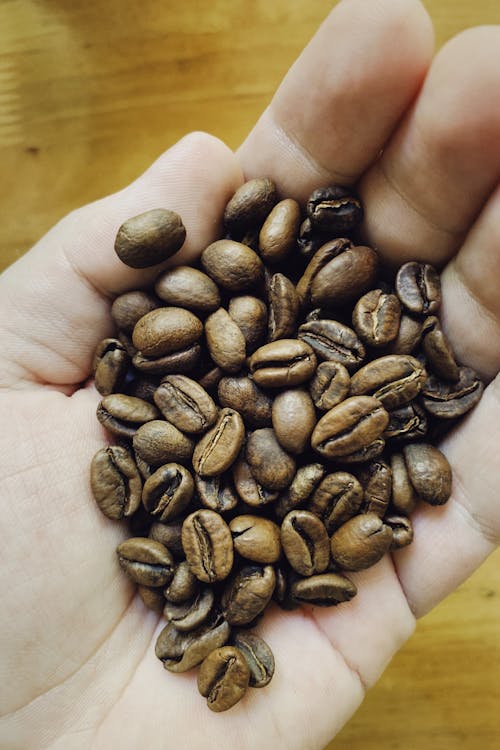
x=79 y=670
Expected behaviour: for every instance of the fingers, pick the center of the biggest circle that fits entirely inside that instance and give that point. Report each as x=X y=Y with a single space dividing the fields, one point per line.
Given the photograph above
x=343 y=97
x=441 y=165
x=54 y=302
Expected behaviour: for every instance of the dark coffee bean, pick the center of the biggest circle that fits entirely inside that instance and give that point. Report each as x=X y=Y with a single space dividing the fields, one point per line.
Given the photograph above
x=185 y=404
x=351 y=426
x=361 y=542
x=208 y=545
x=159 y=442
x=337 y=499
x=109 y=366
x=376 y=479
x=283 y=308
x=143 y=386
x=278 y=236
x=145 y=561
x=334 y=209
x=345 y=278
x=189 y=615
x=320 y=259
x=250 y=315
x=122 y=415
x=183 y=586
x=394 y=379
x=286 y=362
x=281 y=593
x=225 y=341
x=216 y=493
x=248 y=593
x=251 y=492
x=185 y=360
x=223 y=678
x=407 y=423
x=309 y=240
x=452 y=400
x=270 y=465
x=438 y=351
x=180 y=651
x=239 y=392
x=129 y=308
x=404 y=498
x=150 y=238
x=323 y=590
x=170 y=535
x=376 y=317
x=429 y=472
x=219 y=447
x=168 y=491
x=418 y=287
x=145 y=470
x=256 y=539
x=166 y=330
x=402 y=530
x=211 y=379
x=409 y=335
x=188 y=287
x=300 y=490
x=333 y=341
x=305 y=542
x=258 y=656
x=330 y=385
x=250 y=205
x=294 y=419
x=232 y=265
x=152 y=598
x=115 y=482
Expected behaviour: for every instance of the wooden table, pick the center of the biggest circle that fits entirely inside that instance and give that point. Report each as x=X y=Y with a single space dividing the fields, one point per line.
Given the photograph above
x=90 y=93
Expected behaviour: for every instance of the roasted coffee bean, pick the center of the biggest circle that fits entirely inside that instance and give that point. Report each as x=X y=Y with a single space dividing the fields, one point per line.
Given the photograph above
x=406 y=423
x=216 y=493
x=281 y=593
x=330 y=385
x=334 y=209
x=283 y=308
x=376 y=479
x=251 y=492
x=418 y=287
x=211 y=379
x=409 y=335
x=286 y=362
x=239 y=392
x=130 y=307
x=219 y=447
x=225 y=341
x=159 y=442
x=337 y=499
x=145 y=470
x=248 y=593
x=122 y=415
x=278 y=236
x=109 y=366
x=309 y=239
x=166 y=330
x=233 y=266
x=150 y=238
x=429 y=472
x=351 y=426
x=394 y=379
x=270 y=465
x=223 y=678
x=183 y=586
x=170 y=535
x=152 y=598
x=189 y=615
x=438 y=351
x=294 y=419
x=256 y=539
x=250 y=315
x=361 y=542
x=404 y=498
x=323 y=590
x=208 y=545
x=258 y=656
x=452 y=400
x=250 y=205
x=115 y=482
x=376 y=317
x=180 y=651
x=302 y=487
x=142 y=386
x=320 y=259
x=188 y=287
x=333 y=341
x=305 y=542
x=367 y=453
x=185 y=404
x=145 y=561
x=185 y=360
x=402 y=530
x=168 y=491
x=345 y=278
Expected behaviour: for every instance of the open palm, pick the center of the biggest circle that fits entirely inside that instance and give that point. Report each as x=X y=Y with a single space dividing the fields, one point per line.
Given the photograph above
x=79 y=669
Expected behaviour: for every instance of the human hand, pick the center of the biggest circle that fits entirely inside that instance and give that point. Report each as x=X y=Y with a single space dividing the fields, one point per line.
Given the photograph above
x=79 y=669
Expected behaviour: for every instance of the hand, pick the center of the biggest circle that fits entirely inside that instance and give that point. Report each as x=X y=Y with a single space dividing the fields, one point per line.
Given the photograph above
x=79 y=669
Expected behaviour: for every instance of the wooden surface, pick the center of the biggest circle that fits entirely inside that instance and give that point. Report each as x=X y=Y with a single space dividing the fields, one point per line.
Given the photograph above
x=90 y=93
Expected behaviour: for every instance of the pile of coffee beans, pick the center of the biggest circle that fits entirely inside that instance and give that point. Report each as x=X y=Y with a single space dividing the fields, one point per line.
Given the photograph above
x=273 y=413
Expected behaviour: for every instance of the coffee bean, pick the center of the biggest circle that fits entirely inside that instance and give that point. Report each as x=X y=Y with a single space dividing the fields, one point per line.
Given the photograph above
x=376 y=317
x=189 y=615
x=185 y=360
x=402 y=530
x=278 y=236
x=394 y=379
x=250 y=205
x=404 y=498
x=438 y=351
x=409 y=335
x=330 y=385
x=219 y=447
x=320 y=259
x=429 y=472
x=366 y=453
x=334 y=209
x=180 y=651
x=337 y=499
x=159 y=442
x=241 y=393
x=376 y=479
x=352 y=425
x=270 y=465
x=283 y=308
x=169 y=534
x=208 y=545
x=225 y=341
x=152 y=598
x=286 y=362
x=130 y=307
x=145 y=561
x=406 y=423
x=333 y=341
x=216 y=493
x=185 y=404
x=250 y=315
x=248 y=593
x=361 y=542
x=309 y=239
x=109 y=366
x=166 y=330
x=258 y=656
x=256 y=538
x=183 y=586
x=345 y=278
x=303 y=485
x=211 y=379
x=294 y=419
x=150 y=238
x=188 y=287
x=142 y=386
x=168 y=491
x=418 y=287
x=115 y=482
x=305 y=542
x=233 y=266
x=452 y=400
x=323 y=590
x=122 y=415
x=251 y=492
x=223 y=678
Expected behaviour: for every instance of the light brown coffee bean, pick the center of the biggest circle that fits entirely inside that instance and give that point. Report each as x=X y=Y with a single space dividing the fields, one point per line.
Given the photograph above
x=337 y=499
x=159 y=442
x=185 y=360
x=270 y=465
x=256 y=538
x=232 y=265
x=429 y=472
x=330 y=385
x=183 y=586
x=250 y=315
x=402 y=530
x=168 y=491
x=145 y=561
x=418 y=287
x=319 y=260
x=241 y=393
x=180 y=651
x=184 y=286
x=251 y=492
x=250 y=205
x=130 y=307
x=150 y=238
x=109 y=366
x=185 y=404
x=333 y=341
x=361 y=542
x=223 y=678
x=376 y=317
x=208 y=545
x=345 y=278
x=219 y=447
x=122 y=415
x=283 y=308
x=152 y=598
x=115 y=482
x=294 y=419
x=189 y=615
x=248 y=593
x=305 y=542
x=350 y=426
x=409 y=335
x=258 y=656
x=323 y=590
x=394 y=379
x=286 y=362
x=225 y=341
x=278 y=236
x=169 y=534
x=166 y=330
x=303 y=485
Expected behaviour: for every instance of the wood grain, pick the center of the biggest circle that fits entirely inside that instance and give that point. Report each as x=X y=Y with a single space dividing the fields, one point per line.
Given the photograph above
x=90 y=94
